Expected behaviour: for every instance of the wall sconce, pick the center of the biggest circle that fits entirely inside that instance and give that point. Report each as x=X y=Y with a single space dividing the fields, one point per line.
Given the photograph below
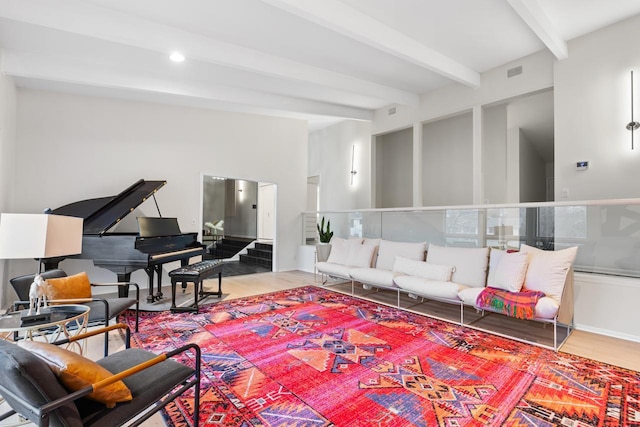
x=632 y=125
x=353 y=171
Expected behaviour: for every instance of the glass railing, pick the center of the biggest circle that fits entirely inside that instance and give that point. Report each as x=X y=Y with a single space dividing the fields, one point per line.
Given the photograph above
x=607 y=232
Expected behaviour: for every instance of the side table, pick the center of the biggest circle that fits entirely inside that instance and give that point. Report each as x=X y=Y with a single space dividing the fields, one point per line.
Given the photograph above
x=65 y=321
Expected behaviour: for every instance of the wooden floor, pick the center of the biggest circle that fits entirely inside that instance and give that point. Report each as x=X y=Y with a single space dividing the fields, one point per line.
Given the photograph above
x=605 y=349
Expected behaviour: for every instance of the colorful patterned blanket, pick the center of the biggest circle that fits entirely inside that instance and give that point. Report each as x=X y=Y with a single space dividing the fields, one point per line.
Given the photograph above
x=520 y=305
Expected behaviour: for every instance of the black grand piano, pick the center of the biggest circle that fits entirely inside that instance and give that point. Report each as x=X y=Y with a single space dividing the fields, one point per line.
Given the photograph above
x=158 y=241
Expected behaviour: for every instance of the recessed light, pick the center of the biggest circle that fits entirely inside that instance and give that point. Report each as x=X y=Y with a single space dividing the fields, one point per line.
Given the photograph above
x=176 y=57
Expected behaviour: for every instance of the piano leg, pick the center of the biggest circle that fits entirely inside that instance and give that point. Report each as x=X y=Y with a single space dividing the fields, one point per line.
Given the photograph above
x=123 y=291
x=159 y=295
x=150 y=271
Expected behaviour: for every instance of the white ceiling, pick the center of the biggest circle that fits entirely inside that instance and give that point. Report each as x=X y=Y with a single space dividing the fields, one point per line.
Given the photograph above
x=321 y=60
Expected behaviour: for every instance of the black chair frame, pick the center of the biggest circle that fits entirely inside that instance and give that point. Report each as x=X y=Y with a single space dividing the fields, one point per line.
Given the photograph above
x=41 y=414
x=57 y=273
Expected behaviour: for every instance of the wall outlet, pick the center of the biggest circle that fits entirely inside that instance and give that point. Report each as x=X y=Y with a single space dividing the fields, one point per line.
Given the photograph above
x=565 y=193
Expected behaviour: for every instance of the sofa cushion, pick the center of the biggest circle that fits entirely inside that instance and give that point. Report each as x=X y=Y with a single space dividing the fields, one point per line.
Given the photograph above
x=546 y=308
x=425 y=270
x=470 y=263
x=388 y=250
x=509 y=272
x=334 y=270
x=494 y=258
x=548 y=270
x=340 y=249
x=429 y=288
x=470 y=295
x=360 y=255
x=373 y=276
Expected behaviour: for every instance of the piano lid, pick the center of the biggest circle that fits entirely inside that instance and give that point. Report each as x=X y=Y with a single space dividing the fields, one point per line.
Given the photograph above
x=103 y=213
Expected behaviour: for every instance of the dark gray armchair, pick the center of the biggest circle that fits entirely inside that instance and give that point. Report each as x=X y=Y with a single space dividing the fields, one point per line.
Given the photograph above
x=31 y=388
x=102 y=309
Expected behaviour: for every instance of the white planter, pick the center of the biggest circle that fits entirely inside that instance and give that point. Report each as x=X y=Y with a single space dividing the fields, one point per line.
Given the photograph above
x=322 y=251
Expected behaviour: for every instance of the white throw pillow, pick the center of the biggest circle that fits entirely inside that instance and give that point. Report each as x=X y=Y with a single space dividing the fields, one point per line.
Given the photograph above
x=425 y=270
x=340 y=249
x=360 y=255
x=388 y=250
x=548 y=270
x=510 y=272
x=471 y=263
x=494 y=259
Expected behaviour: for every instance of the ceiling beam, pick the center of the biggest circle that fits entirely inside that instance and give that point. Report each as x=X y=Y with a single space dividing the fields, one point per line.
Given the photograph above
x=80 y=17
x=81 y=73
x=350 y=22
x=532 y=14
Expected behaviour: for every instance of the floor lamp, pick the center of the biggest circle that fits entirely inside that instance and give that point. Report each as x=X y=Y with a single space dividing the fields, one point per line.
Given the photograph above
x=39 y=236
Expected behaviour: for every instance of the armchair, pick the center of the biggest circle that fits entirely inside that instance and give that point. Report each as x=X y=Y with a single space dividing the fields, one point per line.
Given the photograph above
x=102 y=309
x=32 y=389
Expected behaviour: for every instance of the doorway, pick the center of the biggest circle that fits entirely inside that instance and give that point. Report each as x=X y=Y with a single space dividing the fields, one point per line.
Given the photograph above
x=238 y=223
x=518 y=149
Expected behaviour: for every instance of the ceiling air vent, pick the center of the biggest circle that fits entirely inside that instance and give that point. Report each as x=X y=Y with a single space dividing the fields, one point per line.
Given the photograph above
x=514 y=71
x=391 y=111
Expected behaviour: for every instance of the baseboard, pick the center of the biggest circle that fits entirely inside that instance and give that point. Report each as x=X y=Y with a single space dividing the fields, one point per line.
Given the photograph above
x=607 y=333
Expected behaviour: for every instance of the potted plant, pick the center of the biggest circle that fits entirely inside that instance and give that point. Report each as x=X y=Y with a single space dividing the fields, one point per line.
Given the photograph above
x=325 y=234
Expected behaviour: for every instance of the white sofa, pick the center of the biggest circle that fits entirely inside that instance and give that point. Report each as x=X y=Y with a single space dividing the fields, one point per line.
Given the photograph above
x=458 y=275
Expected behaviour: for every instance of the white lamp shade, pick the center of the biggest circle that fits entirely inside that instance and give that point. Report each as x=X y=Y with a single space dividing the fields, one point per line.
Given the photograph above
x=39 y=236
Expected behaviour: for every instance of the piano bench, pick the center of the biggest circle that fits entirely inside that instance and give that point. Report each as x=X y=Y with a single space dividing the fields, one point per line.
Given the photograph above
x=195 y=273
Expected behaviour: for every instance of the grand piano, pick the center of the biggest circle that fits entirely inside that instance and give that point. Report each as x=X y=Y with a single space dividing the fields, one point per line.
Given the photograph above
x=158 y=241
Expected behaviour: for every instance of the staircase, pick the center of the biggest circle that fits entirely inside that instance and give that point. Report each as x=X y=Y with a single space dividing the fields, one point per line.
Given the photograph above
x=261 y=255
x=228 y=247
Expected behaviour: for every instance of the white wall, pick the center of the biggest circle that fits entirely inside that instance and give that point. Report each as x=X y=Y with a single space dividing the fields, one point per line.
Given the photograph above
x=394 y=169
x=447 y=159
x=73 y=148
x=330 y=158
x=607 y=307
x=537 y=75
x=592 y=107
x=455 y=99
x=7 y=154
x=532 y=173
x=494 y=154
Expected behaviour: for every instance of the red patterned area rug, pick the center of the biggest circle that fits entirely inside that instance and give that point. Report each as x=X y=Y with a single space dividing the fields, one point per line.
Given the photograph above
x=312 y=357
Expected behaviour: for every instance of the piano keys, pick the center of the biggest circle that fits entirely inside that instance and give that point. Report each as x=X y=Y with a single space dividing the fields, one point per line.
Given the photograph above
x=158 y=241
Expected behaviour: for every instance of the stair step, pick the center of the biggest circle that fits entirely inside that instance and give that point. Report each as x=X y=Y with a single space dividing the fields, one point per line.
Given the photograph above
x=234 y=242
x=260 y=253
x=257 y=261
x=228 y=247
x=264 y=246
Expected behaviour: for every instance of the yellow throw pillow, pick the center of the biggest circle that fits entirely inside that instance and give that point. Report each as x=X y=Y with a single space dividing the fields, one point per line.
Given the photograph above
x=76 y=372
x=70 y=287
